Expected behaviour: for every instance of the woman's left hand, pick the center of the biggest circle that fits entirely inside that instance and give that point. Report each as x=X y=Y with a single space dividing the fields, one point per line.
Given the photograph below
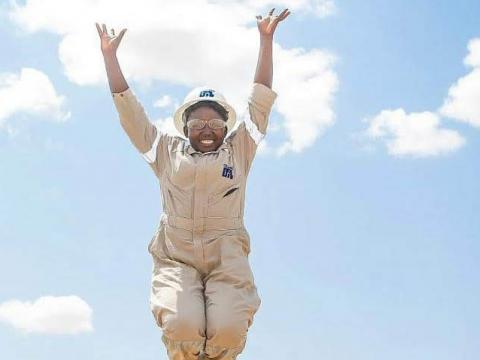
x=267 y=25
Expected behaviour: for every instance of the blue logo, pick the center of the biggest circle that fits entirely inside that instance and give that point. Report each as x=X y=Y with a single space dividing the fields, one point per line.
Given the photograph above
x=227 y=171
x=207 y=93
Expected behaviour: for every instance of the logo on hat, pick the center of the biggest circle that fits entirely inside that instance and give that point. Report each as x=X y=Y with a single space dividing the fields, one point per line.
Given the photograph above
x=207 y=93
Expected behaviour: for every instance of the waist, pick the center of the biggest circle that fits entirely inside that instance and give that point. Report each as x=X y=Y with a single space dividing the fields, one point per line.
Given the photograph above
x=203 y=223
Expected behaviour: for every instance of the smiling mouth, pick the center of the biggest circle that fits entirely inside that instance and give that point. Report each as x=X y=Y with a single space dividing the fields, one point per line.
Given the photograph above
x=206 y=142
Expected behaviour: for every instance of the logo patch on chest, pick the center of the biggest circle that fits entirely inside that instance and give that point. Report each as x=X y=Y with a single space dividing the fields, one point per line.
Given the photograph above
x=227 y=171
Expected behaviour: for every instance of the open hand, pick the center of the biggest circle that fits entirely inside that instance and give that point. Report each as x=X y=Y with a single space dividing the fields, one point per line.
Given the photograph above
x=267 y=25
x=109 y=43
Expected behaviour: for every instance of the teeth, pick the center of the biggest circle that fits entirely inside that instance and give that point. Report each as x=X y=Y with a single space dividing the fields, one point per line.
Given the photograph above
x=207 y=142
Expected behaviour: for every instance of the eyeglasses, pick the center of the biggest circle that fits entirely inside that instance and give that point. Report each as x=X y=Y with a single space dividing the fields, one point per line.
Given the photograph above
x=199 y=124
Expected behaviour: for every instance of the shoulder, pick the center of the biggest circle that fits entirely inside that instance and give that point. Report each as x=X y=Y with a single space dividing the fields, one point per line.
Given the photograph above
x=176 y=142
x=235 y=132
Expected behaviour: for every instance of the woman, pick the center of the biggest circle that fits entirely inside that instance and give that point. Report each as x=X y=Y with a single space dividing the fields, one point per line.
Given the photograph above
x=203 y=294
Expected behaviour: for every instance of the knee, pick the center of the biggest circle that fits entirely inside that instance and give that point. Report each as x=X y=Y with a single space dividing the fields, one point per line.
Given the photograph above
x=183 y=338
x=183 y=349
x=182 y=329
x=228 y=339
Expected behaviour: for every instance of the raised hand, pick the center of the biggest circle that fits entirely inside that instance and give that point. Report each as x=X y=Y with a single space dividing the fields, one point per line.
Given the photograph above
x=109 y=43
x=267 y=25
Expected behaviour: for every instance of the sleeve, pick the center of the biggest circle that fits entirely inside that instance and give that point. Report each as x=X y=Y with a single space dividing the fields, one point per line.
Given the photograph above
x=147 y=138
x=252 y=129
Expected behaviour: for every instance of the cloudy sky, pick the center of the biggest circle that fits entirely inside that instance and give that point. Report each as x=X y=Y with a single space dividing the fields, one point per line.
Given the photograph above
x=362 y=204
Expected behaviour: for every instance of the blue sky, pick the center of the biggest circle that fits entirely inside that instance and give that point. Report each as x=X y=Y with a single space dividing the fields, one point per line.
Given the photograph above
x=364 y=238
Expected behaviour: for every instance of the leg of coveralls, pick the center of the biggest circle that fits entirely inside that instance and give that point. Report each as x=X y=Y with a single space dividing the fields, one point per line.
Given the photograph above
x=231 y=301
x=177 y=303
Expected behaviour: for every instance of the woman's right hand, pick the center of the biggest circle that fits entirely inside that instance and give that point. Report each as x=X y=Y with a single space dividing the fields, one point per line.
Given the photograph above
x=109 y=43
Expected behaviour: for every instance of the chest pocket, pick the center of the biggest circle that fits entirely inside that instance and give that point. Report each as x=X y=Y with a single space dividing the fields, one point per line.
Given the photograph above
x=226 y=203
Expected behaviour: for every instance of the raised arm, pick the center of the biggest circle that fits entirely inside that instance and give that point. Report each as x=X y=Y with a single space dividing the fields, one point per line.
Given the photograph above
x=250 y=132
x=266 y=28
x=109 y=45
x=144 y=135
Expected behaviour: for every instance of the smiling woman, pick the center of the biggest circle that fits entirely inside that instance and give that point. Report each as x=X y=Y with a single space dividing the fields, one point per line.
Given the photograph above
x=203 y=294
x=205 y=122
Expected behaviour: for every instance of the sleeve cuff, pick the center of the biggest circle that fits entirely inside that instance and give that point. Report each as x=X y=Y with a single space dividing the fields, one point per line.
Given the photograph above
x=126 y=93
x=125 y=101
x=263 y=96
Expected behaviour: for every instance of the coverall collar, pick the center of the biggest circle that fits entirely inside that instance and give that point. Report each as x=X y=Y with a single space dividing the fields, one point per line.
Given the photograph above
x=190 y=150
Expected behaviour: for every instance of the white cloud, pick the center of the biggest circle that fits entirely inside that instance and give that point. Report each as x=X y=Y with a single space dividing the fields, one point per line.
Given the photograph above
x=164 y=101
x=324 y=8
x=49 y=315
x=420 y=134
x=320 y=8
x=306 y=95
x=473 y=57
x=414 y=134
x=192 y=43
x=463 y=100
x=30 y=92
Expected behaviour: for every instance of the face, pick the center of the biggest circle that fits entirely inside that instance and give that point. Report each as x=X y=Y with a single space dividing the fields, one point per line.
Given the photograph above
x=199 y=138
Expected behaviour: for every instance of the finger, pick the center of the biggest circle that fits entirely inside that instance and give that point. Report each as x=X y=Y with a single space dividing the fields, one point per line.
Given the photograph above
x=98 y=30
x=271 y=12
x=113 y=32
x=284 y=14
x=104 y=27
x=276 y=19
x=259 y=17
x=120 y=36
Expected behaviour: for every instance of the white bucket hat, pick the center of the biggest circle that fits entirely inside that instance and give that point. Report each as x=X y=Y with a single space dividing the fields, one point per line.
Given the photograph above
x=203 y=93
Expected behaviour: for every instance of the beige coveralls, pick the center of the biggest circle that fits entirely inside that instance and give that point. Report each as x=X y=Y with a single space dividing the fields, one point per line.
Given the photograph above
x=203 y=294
